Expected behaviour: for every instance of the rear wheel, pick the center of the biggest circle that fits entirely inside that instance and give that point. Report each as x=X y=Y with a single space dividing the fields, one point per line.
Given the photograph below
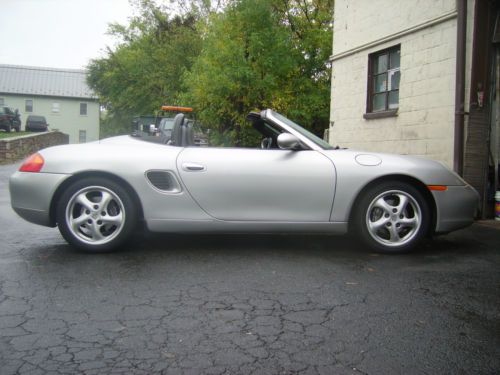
x=392 y=217
x=96 y=214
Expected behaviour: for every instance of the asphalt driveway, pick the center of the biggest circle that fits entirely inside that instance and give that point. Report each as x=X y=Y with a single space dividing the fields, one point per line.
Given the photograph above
x=246 y=304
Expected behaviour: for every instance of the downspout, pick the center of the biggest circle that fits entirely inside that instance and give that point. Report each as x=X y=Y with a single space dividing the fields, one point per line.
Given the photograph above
x=458 y=142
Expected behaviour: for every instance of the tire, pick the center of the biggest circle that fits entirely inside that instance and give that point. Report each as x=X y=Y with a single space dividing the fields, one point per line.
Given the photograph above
x=392 y=217
x=96 y=214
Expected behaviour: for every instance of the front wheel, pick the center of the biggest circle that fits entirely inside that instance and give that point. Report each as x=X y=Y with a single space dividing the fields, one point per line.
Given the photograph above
x=392 y=217
x=96 y=214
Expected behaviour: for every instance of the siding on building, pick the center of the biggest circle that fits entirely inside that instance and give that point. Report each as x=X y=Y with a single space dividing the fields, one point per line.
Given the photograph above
x=56 y=95
x=426 y=33
x=68 y=120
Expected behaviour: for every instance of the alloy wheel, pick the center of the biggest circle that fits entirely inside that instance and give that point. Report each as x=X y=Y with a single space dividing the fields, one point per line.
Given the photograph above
x=95 y=215
x=393 y=218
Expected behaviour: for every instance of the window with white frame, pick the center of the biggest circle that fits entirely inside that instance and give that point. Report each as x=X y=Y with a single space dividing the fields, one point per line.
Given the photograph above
x=28 y=105
x=83 y=109
x=55 y=107
x=82 y=136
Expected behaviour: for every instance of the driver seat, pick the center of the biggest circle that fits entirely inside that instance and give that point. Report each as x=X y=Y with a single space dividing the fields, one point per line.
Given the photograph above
x=188 y=134
x=176 y=137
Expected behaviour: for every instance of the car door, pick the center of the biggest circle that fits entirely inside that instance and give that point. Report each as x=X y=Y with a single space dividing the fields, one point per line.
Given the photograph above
x=238 y=184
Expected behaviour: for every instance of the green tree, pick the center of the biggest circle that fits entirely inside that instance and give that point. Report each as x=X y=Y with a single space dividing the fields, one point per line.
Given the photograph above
x=261 y=53
x=242 y=66
x=146 y=68
x=225 y=58
x=309 y=23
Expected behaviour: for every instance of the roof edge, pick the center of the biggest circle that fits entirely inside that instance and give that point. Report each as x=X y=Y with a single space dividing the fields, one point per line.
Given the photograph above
x=42 y=68
x=87 y=98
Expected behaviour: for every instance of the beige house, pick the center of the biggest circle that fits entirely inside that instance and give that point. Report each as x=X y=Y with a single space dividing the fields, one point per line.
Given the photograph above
x=419 y=78
x=62 y=96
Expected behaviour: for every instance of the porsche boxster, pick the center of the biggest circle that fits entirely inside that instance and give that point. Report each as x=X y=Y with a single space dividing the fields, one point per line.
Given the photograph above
x=98 y=193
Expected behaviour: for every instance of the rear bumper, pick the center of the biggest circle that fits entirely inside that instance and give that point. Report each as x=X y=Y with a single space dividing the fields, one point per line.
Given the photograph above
x=40 y=128
x=31 y=195
x=456 y=207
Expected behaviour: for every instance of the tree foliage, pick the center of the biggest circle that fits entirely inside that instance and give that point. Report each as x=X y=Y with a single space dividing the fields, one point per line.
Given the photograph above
x=225 y=58
x=145 y=70
x=244 y=62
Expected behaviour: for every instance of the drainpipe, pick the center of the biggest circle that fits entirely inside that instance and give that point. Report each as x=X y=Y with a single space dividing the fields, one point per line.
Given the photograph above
x=458 y=145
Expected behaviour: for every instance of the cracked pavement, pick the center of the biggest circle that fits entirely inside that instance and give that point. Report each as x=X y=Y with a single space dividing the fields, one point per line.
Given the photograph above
x=246 y=304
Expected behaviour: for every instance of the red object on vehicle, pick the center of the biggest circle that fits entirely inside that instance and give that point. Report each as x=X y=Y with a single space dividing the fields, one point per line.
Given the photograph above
x=34 y=163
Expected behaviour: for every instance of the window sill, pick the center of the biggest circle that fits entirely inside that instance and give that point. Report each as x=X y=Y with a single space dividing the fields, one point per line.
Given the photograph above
x=381 y=114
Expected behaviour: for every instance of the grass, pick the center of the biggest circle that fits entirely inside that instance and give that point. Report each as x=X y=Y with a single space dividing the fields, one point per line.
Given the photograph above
x=4 y=134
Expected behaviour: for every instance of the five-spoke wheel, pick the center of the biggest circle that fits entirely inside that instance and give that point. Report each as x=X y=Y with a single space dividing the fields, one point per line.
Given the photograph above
x=96 y=214
x=392 y=217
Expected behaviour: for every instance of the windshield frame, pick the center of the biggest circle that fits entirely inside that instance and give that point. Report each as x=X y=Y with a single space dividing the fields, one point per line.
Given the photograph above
x=308 y=138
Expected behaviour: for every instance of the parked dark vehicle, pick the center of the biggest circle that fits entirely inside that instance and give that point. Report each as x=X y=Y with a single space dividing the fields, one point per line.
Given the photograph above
x=9 y=119
x=36 y=124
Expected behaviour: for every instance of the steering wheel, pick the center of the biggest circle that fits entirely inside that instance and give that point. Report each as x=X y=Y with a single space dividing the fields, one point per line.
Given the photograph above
x=266 y=143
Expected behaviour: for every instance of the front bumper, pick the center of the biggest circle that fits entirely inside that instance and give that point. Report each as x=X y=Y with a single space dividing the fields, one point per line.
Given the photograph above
x=456 y=207
x=31 y=195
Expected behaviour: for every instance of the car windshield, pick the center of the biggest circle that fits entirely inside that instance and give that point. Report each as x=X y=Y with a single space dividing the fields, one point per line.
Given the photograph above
x=320 y=142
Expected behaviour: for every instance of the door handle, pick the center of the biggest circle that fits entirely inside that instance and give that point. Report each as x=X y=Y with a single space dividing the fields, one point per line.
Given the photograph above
x=193 y=167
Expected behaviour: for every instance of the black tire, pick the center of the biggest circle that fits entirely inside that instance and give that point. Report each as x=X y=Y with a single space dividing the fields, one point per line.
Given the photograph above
x=17 y=129
x=385 y=223
x=104 y=221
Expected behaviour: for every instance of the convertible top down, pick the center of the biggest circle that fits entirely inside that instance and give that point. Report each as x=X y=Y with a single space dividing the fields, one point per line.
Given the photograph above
x=96 y=193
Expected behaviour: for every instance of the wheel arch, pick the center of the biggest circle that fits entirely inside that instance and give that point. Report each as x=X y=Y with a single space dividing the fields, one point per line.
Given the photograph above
x=419 y=185
x=81 y=175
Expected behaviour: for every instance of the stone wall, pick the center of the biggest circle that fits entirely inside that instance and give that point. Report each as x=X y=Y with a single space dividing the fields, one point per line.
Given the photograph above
x=16 y=148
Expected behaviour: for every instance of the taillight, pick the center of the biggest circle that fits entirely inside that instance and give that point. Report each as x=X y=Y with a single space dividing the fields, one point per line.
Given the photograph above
x=34 y=163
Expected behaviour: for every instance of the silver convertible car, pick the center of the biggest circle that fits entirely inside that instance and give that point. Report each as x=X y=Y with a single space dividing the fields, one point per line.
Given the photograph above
x=98 y=193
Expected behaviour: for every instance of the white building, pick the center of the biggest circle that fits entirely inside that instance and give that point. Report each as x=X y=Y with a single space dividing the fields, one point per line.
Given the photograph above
x=402 y=74
x=62 y=96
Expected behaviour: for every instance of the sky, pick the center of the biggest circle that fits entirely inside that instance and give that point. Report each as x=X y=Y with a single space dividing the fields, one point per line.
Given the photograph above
x=58 y=33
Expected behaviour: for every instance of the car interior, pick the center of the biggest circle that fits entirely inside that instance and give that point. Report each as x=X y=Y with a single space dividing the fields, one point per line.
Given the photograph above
x=183 y=133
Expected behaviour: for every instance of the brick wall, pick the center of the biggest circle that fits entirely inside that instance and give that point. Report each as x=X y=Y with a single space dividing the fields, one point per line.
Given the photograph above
x=425 y=120
x=16 y=148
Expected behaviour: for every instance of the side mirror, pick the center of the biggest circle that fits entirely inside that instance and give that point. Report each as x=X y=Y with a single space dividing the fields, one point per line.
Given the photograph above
x=287 y=141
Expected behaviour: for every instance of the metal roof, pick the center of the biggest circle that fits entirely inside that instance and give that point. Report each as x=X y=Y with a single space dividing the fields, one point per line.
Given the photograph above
x=30 y=80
